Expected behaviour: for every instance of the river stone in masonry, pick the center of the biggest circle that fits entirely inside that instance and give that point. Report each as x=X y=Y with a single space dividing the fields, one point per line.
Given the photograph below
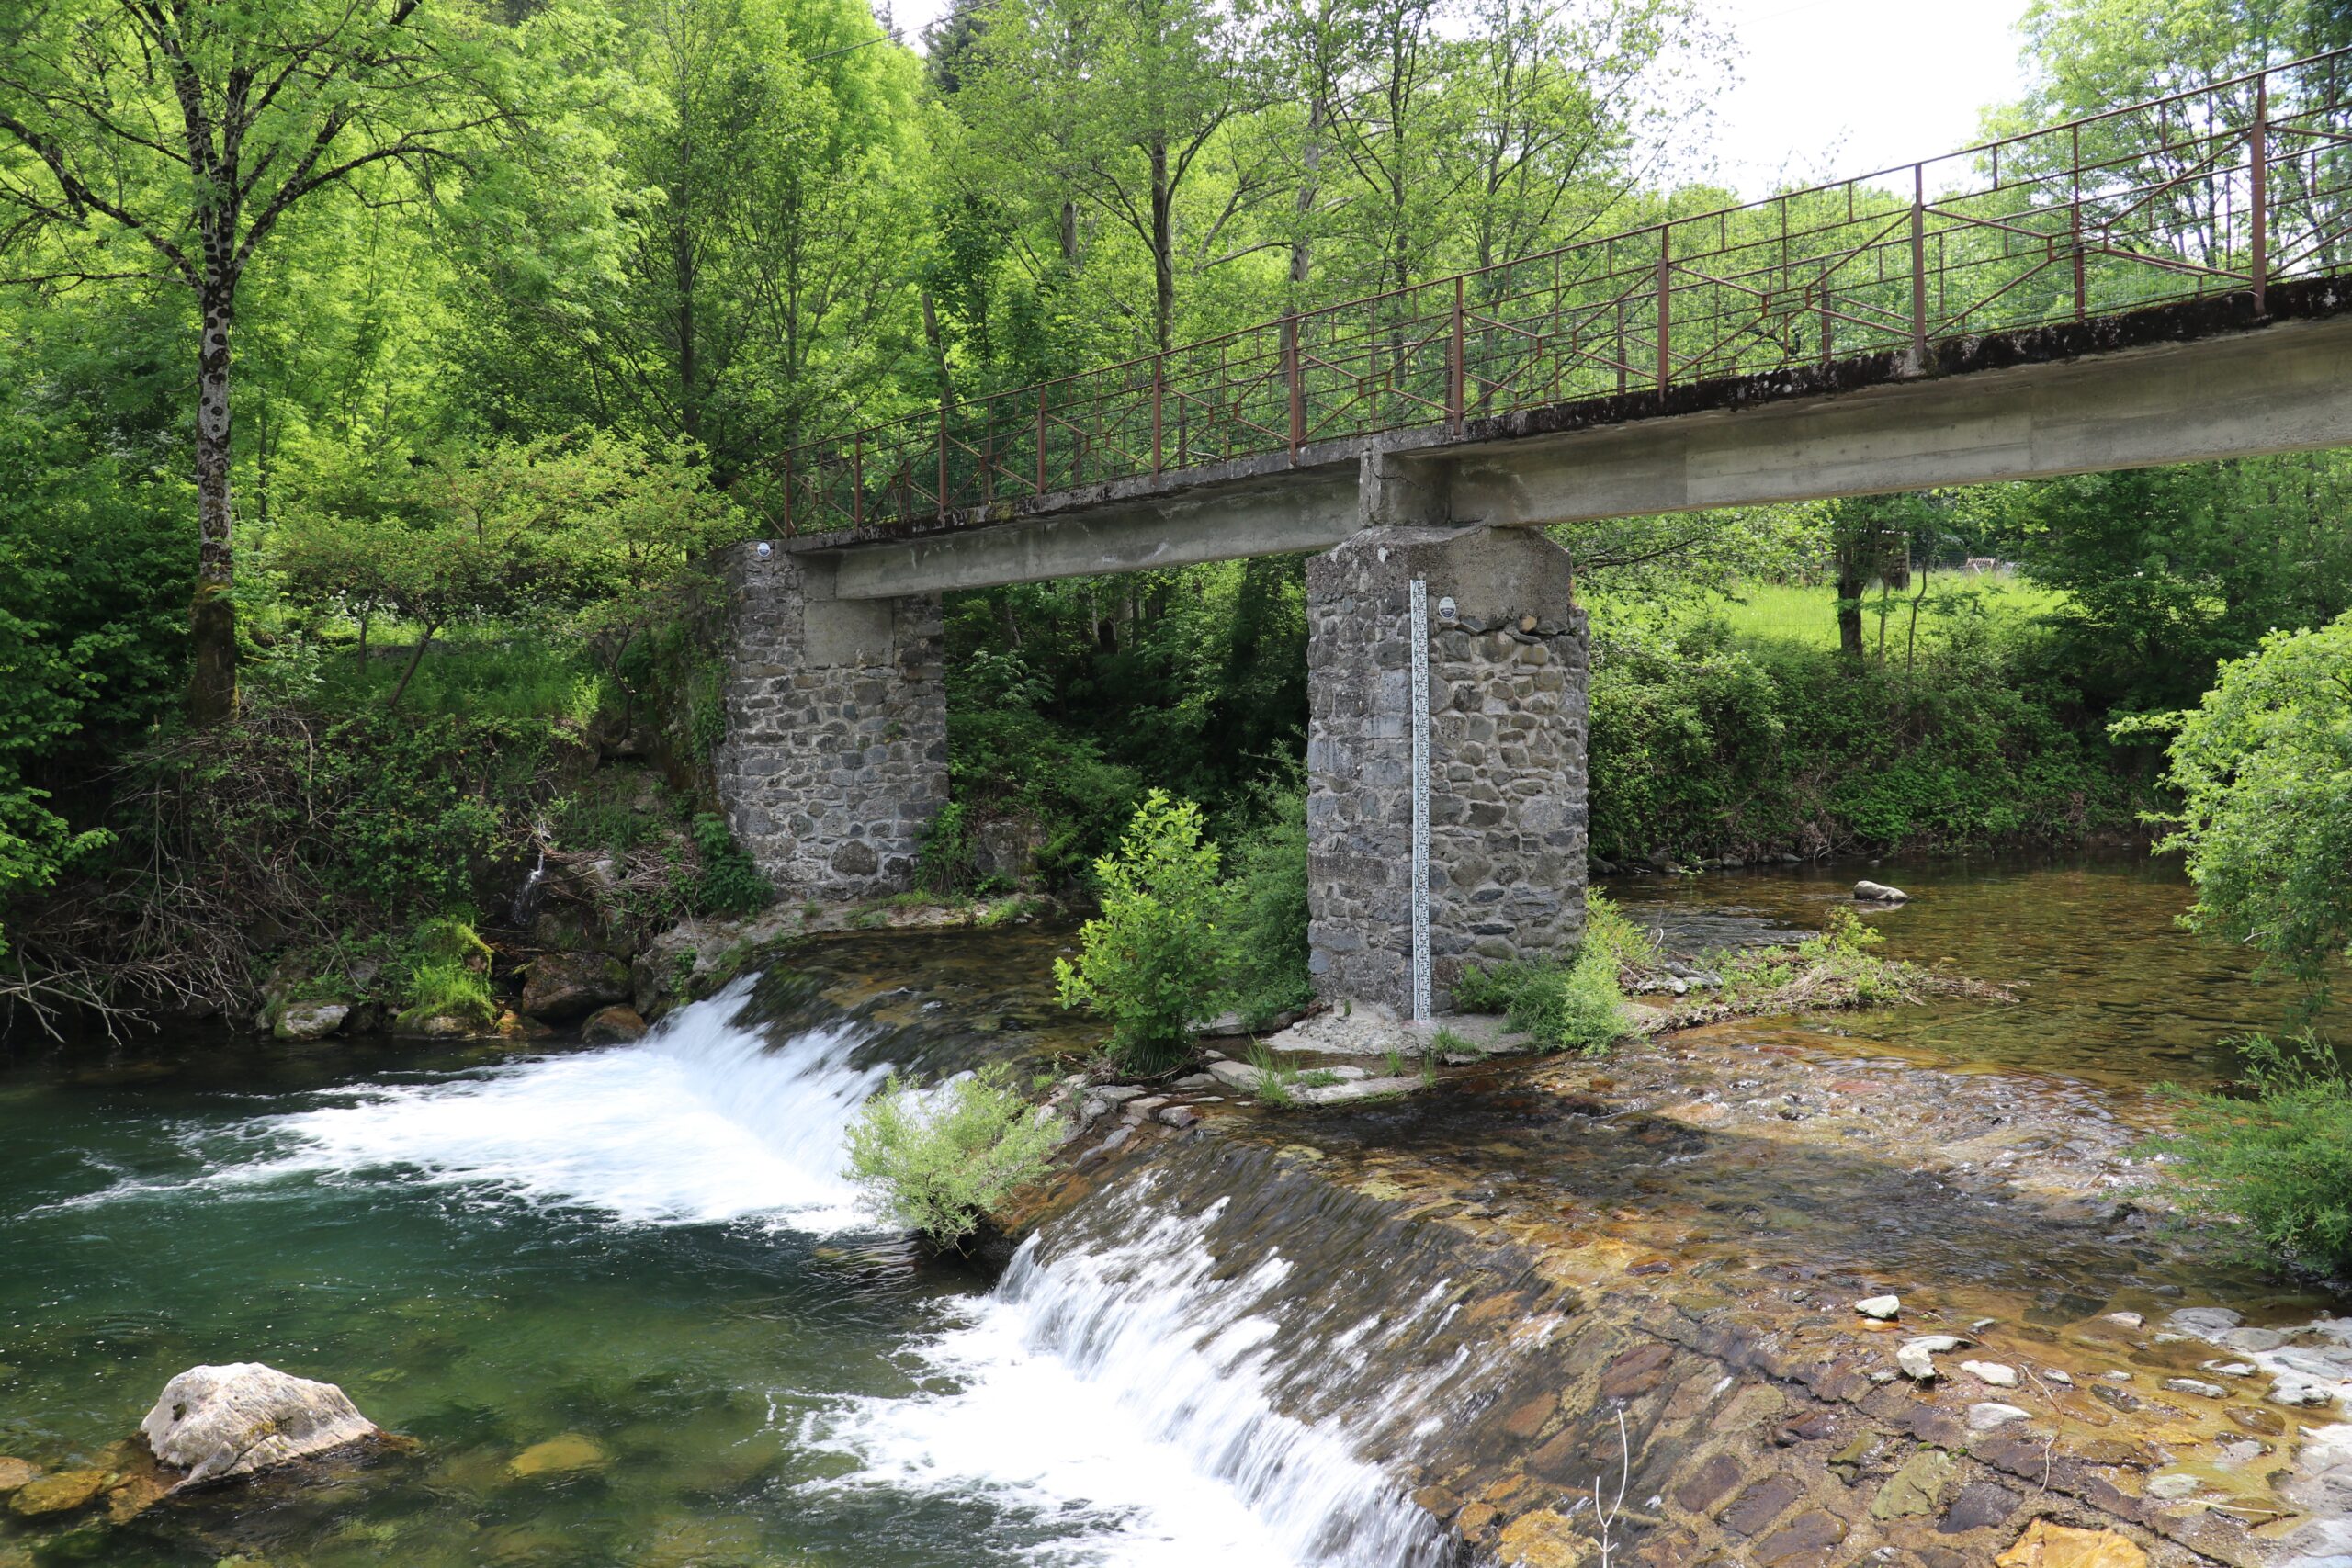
x=215 y=1422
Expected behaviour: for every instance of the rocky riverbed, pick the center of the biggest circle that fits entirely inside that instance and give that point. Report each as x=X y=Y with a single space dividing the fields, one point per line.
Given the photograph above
x=1677 y=1237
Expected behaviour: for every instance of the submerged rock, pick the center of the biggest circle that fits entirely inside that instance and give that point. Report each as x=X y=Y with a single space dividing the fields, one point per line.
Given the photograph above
x=1869 y=892
x=556 y=1456
x=15 y=1472
x=1992 y=1372
x=59 y=1494
x=2045 y=1545
x=213 y=1422
x=614 y=1025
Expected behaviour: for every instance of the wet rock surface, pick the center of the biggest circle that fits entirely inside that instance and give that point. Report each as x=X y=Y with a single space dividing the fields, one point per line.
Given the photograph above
x=212 y=1423
x=1680 y=1234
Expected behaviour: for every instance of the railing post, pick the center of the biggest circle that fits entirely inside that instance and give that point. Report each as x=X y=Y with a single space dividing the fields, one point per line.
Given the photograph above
x=787 y=494
x=1158 y=382
x=2074 y=226
x=1621 y=345
x=857 y=481
x=1665 y=304
x=1919 y=268
x=1828 y=324
x=1455 y=401
x=1290 y=373
x=1040 y=438
x=943 y=459
x=2258 y=169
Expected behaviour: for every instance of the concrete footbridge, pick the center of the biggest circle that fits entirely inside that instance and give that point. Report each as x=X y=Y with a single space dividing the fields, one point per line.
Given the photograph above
x=2168 y=282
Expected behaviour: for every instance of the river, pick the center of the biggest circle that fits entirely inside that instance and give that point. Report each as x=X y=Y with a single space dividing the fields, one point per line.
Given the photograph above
x=643 y=1256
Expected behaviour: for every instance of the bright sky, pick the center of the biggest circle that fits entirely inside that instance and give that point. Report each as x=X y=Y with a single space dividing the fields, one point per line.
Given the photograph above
x=1827 y=88
x=1833 y=89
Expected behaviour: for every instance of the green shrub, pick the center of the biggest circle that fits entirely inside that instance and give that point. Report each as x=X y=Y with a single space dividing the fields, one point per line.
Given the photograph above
x=936 y=1161
x=1576 y=1006
x=1266 y=909
x=2281 y=1163
x=729 y=882
x=2265 y=816
x=447 y=974
x=1150 y=962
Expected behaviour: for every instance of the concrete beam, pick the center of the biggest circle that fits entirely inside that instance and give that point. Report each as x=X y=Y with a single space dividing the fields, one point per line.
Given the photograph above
x=2286 y=388
x=1290 y=511
x=2283 y=387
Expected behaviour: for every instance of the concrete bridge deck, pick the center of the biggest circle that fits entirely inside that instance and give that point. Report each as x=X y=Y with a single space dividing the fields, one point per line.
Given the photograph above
x=2168 y=384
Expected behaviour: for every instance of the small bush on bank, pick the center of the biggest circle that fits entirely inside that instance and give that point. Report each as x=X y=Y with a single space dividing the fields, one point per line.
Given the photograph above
x=1266 y=907
x=2281 y=1164
x=937 y=1161
x=1150 y=963
x=729 y=882
x=447 y=974
x=1576 y=1006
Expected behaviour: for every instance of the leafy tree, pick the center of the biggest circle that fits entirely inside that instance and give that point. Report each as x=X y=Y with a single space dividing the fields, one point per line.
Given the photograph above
x=2264 y=768
x=2169 y=571
x=590 y=525
x=164 y=141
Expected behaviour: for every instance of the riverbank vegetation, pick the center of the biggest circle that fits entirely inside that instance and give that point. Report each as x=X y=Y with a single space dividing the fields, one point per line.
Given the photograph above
x=938 y=1161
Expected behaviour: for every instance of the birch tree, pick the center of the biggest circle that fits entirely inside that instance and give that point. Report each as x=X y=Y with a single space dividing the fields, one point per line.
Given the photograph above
x=164 y=141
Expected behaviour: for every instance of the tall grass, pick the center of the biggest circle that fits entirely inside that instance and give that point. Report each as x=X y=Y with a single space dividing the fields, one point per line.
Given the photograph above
x=1806 y=615
x=501 y=672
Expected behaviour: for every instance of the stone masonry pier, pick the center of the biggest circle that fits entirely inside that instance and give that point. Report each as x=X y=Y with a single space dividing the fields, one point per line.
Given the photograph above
x=1504 y=757
x=836 y=750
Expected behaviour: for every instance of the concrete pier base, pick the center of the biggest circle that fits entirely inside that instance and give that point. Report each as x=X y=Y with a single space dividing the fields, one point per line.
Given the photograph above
x=1505 y=756
x=836 y=750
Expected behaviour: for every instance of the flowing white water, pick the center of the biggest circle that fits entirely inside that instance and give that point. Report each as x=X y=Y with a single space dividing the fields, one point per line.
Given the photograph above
x=1117 y=1402
x=701 y=1121
x=1136 y=1378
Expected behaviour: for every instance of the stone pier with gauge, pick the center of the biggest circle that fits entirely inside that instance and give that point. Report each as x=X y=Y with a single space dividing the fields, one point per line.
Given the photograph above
x=1498 y=793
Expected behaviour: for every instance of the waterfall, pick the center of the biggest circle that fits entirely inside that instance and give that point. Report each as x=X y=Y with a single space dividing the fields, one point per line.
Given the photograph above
x=1124 y=1397
x=1145 y=1378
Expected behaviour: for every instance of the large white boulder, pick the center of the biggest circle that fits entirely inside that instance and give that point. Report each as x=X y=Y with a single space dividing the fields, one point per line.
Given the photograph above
x=214 y=1422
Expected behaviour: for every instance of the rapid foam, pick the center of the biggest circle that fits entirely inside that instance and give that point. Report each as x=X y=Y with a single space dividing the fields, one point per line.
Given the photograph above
x=1117 y=1403
x=1136 y=1379
x=702 y=1121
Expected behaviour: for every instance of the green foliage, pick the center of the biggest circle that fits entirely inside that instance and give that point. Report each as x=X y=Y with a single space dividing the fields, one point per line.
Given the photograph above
x=1576 y=1006
x=2281 y=1163
x=937 y=1161
x=729 y=881
x=1837 y=967
x=1265 y=918
x=1149 y=962
x=2264 y=768
x=1703 y=743
x=445 y=973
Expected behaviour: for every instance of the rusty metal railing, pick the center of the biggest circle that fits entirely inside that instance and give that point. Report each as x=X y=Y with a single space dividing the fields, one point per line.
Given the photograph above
x=2223 y=189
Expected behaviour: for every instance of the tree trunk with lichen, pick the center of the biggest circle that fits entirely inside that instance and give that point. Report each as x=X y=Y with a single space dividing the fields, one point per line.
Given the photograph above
x=212 y=623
